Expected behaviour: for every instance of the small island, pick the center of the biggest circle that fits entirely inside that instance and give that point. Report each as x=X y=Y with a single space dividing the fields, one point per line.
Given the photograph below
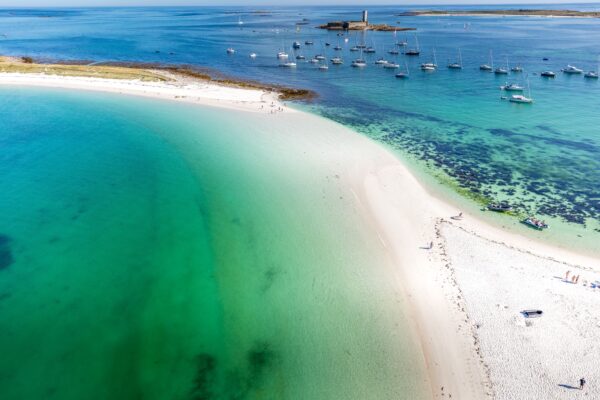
x=361 y=25
x=513 y=12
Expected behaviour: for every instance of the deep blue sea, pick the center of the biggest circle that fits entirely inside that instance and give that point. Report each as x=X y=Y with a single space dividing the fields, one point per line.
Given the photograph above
x=451 y=126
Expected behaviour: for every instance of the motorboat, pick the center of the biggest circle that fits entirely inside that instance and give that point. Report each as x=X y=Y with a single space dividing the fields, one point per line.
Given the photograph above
x=519 y=98
x=296 y=45
x=337 y=48
x=535 y=223
x=314 y=61
x=428 y=67
x=337 y=61
x=548 y=74
x=230 y=51
x=253 y=55
x=288 y=64
x=354 y=48
x=517 y=69
x=381 y=61
x=320 y=57
x=323 y=67
x=572 y=70
x=282 y=55
x=512 y=87
x=499 y=207
x=370 y=50
x=412 y=52
x=309 y=43
x=300 y=57
x=391 y=65
x=591 y=75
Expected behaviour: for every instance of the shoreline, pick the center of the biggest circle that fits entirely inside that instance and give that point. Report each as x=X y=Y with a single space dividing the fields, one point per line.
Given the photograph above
x=405 y=216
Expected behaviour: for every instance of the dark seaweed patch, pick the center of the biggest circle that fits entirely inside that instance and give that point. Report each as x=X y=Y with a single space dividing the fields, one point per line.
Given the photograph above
x=6 y=257
x=260 y=359
x=204 y=381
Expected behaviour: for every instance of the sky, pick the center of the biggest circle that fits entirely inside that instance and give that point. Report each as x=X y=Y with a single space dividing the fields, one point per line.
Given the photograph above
x=92 y=3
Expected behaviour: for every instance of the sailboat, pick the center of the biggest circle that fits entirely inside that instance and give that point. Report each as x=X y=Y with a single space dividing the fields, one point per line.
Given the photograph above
x=414 y=52
x=359 y=62
x=519 y=98
x=502 y=71
x=403 y=75
x=240 y=22
x=456 y=65
x=490 y=66
x=337 y=61
x=430 y=66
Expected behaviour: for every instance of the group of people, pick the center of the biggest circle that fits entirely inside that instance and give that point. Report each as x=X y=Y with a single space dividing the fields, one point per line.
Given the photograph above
x=574 y=278
x=273 y=110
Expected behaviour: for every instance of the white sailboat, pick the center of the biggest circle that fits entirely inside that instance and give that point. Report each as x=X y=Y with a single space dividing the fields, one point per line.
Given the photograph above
x=403 y=75
x=490 y=66
x=430 y=66
x=456 y=65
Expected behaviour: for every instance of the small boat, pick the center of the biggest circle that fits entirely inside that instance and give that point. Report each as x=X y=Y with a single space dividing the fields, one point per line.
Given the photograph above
x=430 y=66
x=512 y=87
x=414 y=52
x=591 y=75
x=288 y=64
x=394 y=52
x=300 y=57
x=499 y=207
x=323 y=67
x=572 y=70
x=517 y=69
x=354 y=48
x=359 y=63
x=391 y=65
x=282 y=55
x=240 y=22
x=381 y=61
x=230 y=51
x=327 y=44
x=320 y=57
x=545 y=59
x=252 y=55
x=458 y=64
x=519 y=98
x=501 y=71
x=548 y=74
x=535 y=223
x=296 y=45
x=532 y=313
x=490 y=66
x=309 y=43
x=337 y=61
x=403 y=75
x=402 y=43
x=370 y=50
x=337 y=48
x=314 y=61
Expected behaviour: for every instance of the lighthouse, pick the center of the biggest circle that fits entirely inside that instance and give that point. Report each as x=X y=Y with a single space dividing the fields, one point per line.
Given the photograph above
x=365 y=17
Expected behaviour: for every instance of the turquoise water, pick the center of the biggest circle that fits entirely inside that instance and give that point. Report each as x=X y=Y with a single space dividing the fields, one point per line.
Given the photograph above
x=163 y=251
x=450 y=125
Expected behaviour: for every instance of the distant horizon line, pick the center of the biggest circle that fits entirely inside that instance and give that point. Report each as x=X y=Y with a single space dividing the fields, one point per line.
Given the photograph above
x=304 y=5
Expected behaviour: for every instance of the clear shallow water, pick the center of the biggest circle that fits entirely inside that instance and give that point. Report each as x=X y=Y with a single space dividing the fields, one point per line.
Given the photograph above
x=161 y=251
x=543 y=158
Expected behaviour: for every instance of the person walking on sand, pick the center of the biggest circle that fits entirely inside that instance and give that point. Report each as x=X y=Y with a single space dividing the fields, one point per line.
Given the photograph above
x=567 y=275
x=581 y=383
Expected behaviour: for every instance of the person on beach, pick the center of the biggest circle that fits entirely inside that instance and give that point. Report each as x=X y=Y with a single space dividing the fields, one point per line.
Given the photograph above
x=577 y=279
x=567 y=275
x=430 y=245
x=581 y=383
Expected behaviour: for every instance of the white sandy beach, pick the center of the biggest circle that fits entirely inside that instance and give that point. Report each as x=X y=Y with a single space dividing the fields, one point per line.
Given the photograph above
x=465 y=294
